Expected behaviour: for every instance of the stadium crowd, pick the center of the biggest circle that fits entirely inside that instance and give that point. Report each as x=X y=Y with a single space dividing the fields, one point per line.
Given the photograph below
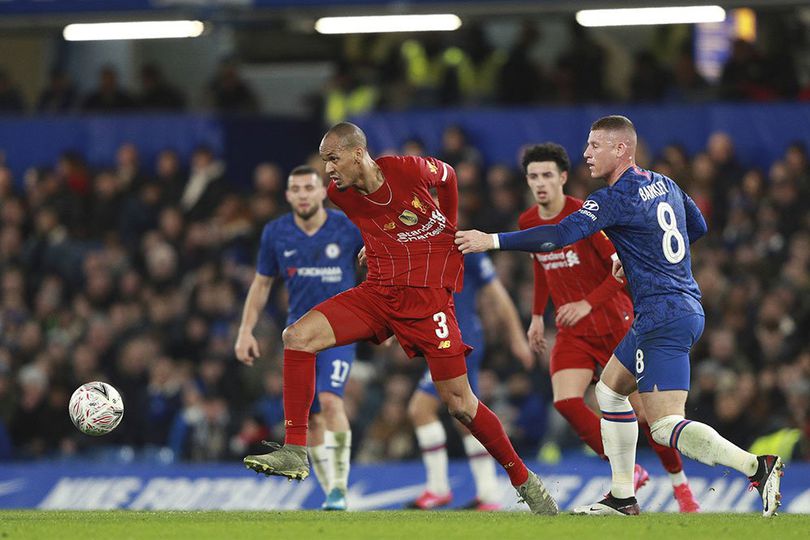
x=467 y=68
x=135 y=273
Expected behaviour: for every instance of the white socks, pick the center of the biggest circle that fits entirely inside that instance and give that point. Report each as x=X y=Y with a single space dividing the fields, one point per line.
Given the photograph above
x=319 y=455
x=702 y=443
x=330 y=460
x=483 y=470
x=677 y=478
x=340 y=444
x=432 y=442
x=619 y=438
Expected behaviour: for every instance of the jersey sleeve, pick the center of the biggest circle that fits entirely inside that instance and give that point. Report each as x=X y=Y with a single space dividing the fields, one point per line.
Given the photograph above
x=596 y=213
x=435 y=173
x=695 y=223
x=266 y=263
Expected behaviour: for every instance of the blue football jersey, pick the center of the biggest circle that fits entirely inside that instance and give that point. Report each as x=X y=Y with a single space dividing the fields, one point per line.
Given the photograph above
x=314 y=267
x=651 y=222
x=478 y=271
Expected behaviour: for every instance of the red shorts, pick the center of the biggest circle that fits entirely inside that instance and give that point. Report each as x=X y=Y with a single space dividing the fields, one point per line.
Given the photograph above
x=422 y=319
x=582 y=352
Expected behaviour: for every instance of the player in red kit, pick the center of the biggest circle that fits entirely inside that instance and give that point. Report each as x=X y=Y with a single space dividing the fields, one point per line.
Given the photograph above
x=413 y=269
x=593 y=311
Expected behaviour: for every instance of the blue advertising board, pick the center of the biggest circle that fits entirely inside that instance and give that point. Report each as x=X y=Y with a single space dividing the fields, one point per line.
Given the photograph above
x=228 y=486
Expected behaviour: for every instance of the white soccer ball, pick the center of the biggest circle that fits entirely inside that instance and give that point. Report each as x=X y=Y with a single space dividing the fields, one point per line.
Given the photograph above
x=96 y=408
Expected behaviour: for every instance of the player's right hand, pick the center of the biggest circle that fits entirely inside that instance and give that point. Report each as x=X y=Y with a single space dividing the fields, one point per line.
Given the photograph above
x=246 y=348
x=473 y=241
x=361 y=257
x=536 y=335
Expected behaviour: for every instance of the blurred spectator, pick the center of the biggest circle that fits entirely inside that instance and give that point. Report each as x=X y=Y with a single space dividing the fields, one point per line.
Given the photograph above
x=128 y=170
x=521 y=80
x=205 y=186
x=108 y=97
x=59 y=96
x=650 y=81
x=229 y=92
x=689 y=86
x=157 y=93
x=456 y=147
x=11 y=100
x=347 y=94
x=169 y=176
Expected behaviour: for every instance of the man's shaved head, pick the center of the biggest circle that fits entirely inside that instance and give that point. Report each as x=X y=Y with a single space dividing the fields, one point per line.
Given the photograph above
x=620 y=128
x=348 y=135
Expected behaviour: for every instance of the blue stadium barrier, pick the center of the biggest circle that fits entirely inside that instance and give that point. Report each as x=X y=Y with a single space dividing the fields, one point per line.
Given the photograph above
x=761 y=131
x=228 y=486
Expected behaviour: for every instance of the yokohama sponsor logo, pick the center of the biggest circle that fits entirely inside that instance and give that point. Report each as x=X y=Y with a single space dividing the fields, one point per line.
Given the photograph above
x=328 y=274
x=435 y=225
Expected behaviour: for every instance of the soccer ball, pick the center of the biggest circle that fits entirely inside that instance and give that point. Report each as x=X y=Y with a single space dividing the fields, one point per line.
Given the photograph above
x=96 y=408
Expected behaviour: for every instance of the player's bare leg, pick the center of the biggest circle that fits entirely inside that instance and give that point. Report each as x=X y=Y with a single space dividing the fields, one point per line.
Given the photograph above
x=485 y=426
x=619 y=437
x=670 y=459
x=702 y=443
x=338 y=442
x=304 y=338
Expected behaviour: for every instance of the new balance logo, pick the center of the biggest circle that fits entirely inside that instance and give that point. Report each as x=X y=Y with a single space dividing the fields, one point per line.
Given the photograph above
x=444 y=344
x=289 y=253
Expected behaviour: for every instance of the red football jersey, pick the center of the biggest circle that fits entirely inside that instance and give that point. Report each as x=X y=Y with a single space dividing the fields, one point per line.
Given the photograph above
x=580 y=271
x=409 y=239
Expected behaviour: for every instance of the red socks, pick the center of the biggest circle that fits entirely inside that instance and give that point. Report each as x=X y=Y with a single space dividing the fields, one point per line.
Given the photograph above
x=670 y=457
x=584 y=421
x=489 y=431
x=299 y=390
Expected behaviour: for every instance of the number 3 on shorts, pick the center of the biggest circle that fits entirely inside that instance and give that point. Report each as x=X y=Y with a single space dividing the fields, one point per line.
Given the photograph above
x=639 y=361
x=441 y=321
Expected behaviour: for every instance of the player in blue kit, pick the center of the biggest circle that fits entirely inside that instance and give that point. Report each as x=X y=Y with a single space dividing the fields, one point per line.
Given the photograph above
x=651 y=222
x=480 y=283
x=314 y=250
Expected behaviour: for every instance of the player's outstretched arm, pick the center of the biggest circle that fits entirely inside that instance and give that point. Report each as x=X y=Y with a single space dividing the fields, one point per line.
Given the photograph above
x=246 y=347
x=542 y=238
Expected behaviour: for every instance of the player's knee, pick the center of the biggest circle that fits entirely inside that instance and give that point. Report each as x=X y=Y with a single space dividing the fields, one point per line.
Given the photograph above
x=297 y=337
x=610 y=400
x=331 y=404
x=662 y=428
x=459 y=407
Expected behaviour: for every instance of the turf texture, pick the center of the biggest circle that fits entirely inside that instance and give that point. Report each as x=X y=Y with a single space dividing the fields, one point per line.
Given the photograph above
x=412 y=525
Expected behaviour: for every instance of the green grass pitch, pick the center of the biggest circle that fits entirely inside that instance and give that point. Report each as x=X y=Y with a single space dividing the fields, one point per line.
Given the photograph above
x=121 y=525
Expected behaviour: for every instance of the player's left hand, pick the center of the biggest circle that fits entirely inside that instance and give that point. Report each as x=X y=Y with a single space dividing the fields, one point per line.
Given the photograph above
x=473 y=241
x=361 y=257
x=573 y=312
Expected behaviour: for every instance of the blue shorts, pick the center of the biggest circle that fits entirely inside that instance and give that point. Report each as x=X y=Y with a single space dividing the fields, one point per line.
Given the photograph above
x=332 y=368
x=659 y=359
x=474 y=360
